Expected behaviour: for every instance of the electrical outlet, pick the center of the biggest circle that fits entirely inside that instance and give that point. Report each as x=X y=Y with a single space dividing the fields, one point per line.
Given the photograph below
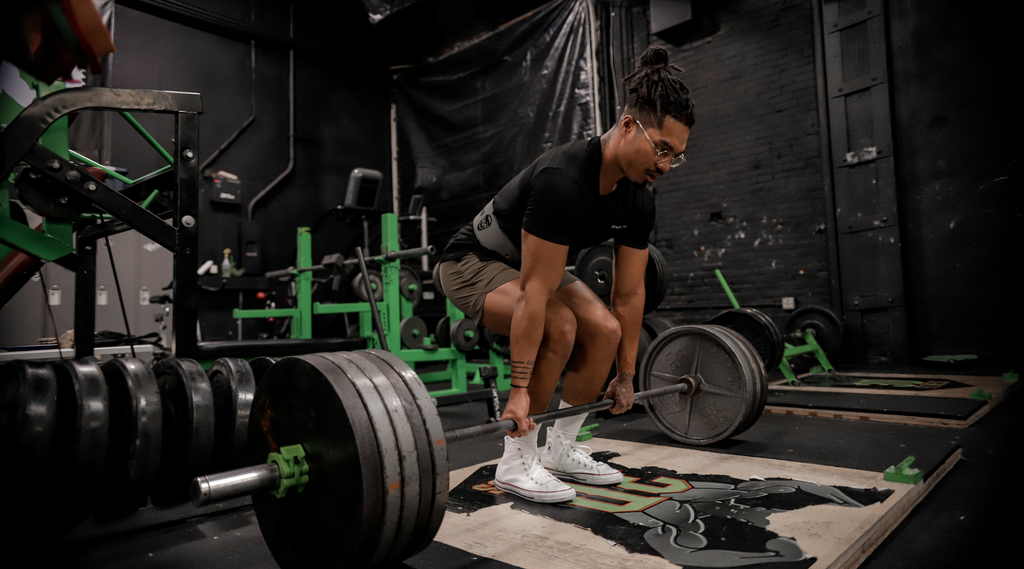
x=788 y=303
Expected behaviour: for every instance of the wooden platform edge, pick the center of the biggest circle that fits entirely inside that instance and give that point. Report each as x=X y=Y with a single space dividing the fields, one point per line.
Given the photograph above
x=877 y=417
x=866 y=545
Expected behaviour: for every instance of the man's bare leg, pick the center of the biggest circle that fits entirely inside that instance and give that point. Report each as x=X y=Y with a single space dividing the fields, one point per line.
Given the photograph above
x=597 y=339
x=559 y=334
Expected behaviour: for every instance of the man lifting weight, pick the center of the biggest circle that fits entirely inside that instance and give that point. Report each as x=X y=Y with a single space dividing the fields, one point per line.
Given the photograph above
x=506 y=271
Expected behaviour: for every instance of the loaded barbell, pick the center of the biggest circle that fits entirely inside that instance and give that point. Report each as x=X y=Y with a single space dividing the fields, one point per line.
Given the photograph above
x=359 y=437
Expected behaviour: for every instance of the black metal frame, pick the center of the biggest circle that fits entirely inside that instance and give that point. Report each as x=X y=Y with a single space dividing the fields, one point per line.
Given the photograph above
x=19 y=143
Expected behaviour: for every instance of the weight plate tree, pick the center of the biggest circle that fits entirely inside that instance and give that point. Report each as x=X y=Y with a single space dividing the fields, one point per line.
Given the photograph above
x=827 y=327
x=233 y=384
x=136 y=436
x=188 y=427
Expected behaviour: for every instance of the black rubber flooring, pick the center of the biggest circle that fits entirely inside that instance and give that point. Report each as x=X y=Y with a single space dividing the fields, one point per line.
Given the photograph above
x=968 y=519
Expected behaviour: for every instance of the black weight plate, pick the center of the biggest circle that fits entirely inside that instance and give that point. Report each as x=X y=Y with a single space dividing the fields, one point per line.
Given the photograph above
x=260 y=365
x=594 y=268
x=655 y=279
x=435 y=433
x=136 y=441
x=188 y=429
x=413 y=331
x=424 y=461
x=405 y=435
x=442 y=332
x=754 y=372
x=755 y=375
x=83 y=429
x=28 y=410
x=233 y=384
x=828 y=328
x=410 y=286
x=498 y=343
x=391 y=456
x=757 y=330
x=656 y=326
x=465 y=335
x=376 y=282
x=724 y=399
x=337 y=517
x=777 y=342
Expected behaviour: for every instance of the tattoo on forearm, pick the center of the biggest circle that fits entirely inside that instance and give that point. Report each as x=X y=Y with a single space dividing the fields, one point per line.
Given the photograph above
x=521 y=371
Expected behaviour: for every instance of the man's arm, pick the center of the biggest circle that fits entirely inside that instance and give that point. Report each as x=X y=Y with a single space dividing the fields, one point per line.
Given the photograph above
x=627 y=299
x=542 y=269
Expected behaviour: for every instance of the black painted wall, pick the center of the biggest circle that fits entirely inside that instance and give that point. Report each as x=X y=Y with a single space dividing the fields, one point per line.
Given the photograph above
x=750 y=200
x=957 y=149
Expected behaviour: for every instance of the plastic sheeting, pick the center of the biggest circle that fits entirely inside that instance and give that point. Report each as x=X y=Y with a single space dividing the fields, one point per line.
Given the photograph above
x=484 y=112
x=380 y=9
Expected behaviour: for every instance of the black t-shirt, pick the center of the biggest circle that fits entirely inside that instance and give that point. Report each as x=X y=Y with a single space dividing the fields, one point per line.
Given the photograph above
x=557 y=198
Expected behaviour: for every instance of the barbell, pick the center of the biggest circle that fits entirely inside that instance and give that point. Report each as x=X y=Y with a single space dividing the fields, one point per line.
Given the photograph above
x=357 y=437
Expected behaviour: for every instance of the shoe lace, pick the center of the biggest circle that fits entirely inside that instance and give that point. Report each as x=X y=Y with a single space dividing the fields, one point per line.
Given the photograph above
x=580 y=454
x=534 y=470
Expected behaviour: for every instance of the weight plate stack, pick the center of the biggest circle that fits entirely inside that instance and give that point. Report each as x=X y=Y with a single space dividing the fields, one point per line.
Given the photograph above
x=726 y=395
x=28 y=419
x=136 y=436
x=756 y=375
x=233 y=384
x=342 y=507
x=758 y=329
x=260 y=365
x=410 y=409
x=188 y=428
x=81 y=436
x=397 y=449
x=438 y=450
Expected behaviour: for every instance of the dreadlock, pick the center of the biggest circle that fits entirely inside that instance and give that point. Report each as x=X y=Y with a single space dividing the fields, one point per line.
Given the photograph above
x=653 y=92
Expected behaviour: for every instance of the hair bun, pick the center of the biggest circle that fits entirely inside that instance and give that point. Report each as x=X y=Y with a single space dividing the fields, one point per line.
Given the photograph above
x=655 y=56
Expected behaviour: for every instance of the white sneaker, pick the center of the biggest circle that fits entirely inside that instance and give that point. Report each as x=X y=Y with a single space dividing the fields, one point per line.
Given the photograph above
x=565 y=459
x=519 y=472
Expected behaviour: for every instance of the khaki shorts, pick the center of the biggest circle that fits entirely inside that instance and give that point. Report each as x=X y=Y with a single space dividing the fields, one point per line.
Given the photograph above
x=466 y=282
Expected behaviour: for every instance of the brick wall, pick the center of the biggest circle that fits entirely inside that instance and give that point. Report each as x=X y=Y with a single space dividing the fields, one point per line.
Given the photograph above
x=750 y=201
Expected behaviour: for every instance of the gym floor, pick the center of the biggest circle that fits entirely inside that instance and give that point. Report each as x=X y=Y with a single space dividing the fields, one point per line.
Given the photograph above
x=965 y=519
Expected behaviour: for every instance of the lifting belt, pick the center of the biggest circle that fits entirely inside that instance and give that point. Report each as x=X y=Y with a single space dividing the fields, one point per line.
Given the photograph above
x=485 y=226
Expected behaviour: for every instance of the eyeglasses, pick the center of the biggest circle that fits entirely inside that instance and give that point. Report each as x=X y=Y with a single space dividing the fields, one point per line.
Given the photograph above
x=663 y=155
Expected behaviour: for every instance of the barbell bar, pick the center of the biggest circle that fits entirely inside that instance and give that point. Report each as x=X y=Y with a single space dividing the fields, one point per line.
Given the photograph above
x=240 y=482
x=368 y=458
